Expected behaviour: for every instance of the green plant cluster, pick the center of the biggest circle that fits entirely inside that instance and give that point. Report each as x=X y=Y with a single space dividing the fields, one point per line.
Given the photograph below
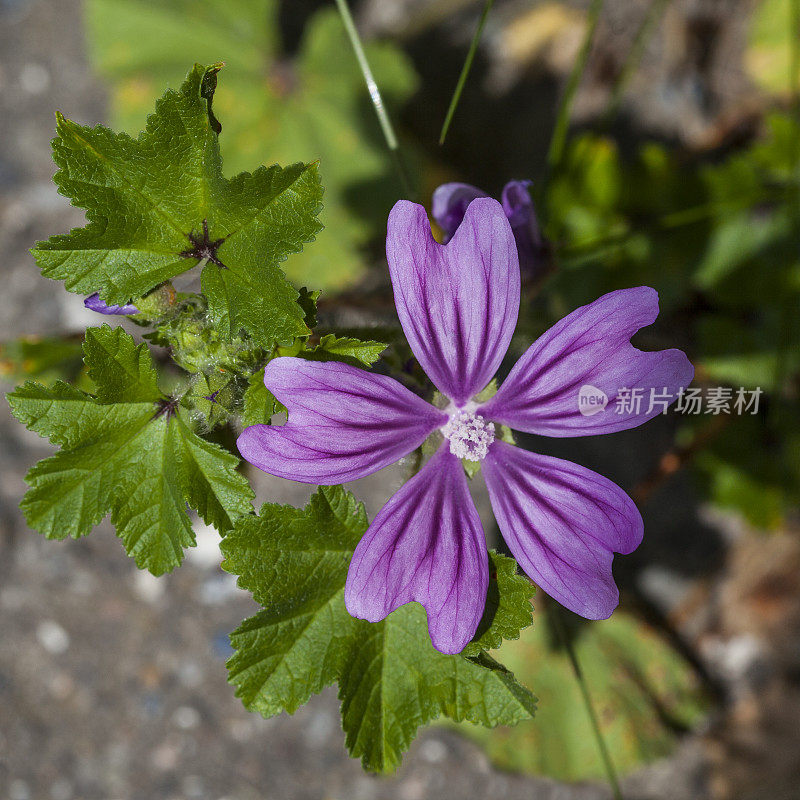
x=134 y=439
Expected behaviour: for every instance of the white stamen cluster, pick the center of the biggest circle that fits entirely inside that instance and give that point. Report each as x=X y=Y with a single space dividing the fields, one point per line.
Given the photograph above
x=469 y=434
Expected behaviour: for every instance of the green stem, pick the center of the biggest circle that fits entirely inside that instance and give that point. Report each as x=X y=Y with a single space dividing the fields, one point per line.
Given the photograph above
x=558 y=142
x=608 y=764
x=654 y=12
x=462 y=78
x=794 y=60
x=375 y=95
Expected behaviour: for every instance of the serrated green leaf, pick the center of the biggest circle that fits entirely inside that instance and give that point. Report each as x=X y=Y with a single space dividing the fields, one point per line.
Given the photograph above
x=508 y=606
x=313 y=106
x=394 y=681
x=259 y=404
x=158 y=205
x=391 y=679
x=346 y=349
x=293 y=561
x=124 y=452
x=308 y=302
x=122 y=371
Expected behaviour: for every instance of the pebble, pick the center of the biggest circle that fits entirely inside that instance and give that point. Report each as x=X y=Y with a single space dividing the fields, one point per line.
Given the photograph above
x=319 y=729
x=34 y=79
x=433 y=751
x=206 y=554
x=186 y=717
x=148 y=587
x=52 y=637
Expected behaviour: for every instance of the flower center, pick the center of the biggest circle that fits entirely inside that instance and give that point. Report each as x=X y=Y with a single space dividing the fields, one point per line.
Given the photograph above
x=470 y=435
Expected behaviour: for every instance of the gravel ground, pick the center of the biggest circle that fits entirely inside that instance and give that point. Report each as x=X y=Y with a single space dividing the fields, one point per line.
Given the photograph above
x=112 y=683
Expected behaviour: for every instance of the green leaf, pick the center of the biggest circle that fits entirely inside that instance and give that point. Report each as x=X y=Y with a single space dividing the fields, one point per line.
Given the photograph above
x=126 y=450
x=121 y=371
x=394 y=681
x=294 y=562
x=508 y=606
x=259 y=404
x=313 y=106
x=308 y=302
x=391 y=679
x=159 y=203
x=346 y=349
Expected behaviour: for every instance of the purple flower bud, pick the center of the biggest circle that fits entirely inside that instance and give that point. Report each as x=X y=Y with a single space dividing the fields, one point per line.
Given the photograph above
x=450 y=203
x=94 y=303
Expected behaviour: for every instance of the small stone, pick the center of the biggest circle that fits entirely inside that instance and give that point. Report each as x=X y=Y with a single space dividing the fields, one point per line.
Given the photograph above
x=52 y=637
x=433 y=751
x=62 y=686
x=190 y=674
x=165 y=757
x=34 y=79
x=319 y=729
x=148 y=587
x=186 y=717
x=206 y=554
x=218 y=589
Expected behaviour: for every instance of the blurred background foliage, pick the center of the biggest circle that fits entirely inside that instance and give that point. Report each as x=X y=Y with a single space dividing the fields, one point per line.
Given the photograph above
x=644 y=698
x=709 y=217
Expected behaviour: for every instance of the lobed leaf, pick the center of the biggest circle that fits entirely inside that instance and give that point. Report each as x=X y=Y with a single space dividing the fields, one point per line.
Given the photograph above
x=127 y=452
x=391 y=679
x=159 y=205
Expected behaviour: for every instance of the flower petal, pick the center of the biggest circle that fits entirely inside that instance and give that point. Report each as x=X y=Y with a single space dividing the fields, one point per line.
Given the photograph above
x=562 y=522
x=521 y=214
x=449 y=204
x=589 y=352
x=344 y=422
x=94 y=303
x=458 y=304
x=426 y=544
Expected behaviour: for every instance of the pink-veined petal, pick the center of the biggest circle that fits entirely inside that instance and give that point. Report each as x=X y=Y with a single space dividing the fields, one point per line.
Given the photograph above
x=563 y=523
x=587 y=358
x=426 y=544
x=344 y=422
x=458 y=303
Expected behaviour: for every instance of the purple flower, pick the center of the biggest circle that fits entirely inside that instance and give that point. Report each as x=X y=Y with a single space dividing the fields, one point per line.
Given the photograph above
x=458 y=305
x=94 y=303
x=450 y=202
